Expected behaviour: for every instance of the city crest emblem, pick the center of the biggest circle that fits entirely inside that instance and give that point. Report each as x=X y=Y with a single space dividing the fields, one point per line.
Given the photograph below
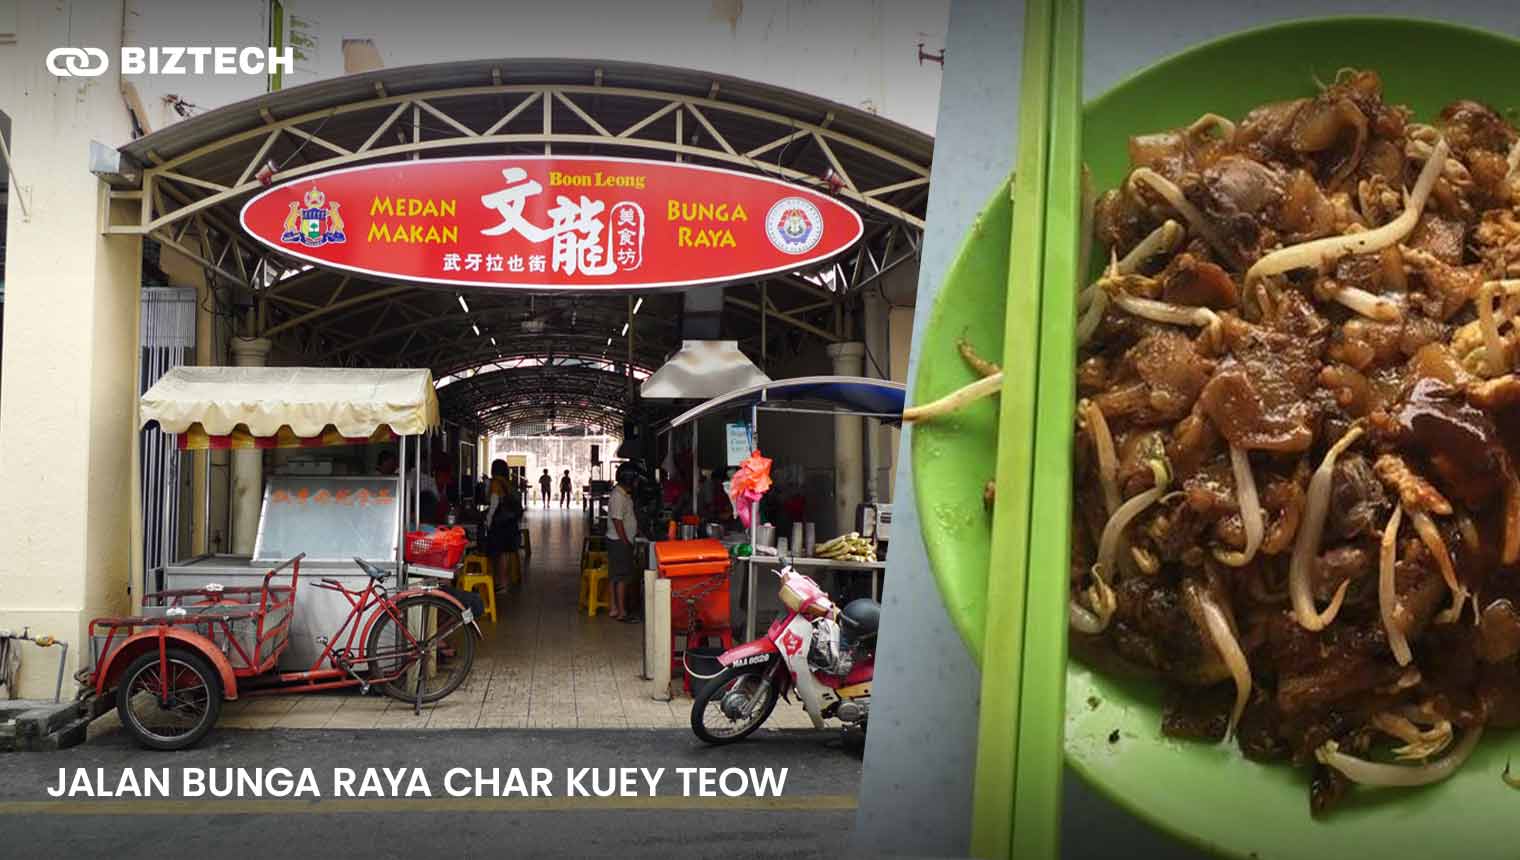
x=313 y=221
x=794 y=225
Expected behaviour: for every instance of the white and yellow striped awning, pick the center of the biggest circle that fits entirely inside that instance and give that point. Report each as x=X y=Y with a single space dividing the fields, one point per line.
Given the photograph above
x=262 y=407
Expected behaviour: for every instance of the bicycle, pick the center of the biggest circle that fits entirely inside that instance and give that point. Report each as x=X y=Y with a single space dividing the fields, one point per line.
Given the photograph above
x=173 y=665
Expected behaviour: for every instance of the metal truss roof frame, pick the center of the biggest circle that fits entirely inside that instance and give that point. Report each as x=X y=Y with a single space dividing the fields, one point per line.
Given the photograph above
x=196 y=174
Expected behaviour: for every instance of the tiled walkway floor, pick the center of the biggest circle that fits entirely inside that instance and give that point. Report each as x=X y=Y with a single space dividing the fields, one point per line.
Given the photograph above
x=542 y=665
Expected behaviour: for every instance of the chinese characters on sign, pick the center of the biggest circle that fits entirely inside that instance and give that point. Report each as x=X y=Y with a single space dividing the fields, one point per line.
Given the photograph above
x=575 y=231
x=531 y=222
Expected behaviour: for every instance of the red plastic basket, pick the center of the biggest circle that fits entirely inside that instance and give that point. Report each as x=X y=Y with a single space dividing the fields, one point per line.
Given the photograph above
x=442 y=548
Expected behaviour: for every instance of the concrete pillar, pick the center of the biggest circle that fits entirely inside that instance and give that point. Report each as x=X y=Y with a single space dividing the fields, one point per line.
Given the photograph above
x=849 y=465
x=247 y=466
x=68 y=408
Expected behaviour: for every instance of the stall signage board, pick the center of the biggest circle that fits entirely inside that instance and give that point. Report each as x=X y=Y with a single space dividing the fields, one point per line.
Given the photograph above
x=551 y=223
x=328 y=518
x=738 y=443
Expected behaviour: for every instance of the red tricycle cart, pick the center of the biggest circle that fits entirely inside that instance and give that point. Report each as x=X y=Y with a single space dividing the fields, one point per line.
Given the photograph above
x=171 y=666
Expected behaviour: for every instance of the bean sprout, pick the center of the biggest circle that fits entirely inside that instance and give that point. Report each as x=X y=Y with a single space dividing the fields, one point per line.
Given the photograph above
x=1213 y=121
x=1166 y=312
x=1318 y=252
x=1082 y=620
x=1306 y=547
x=984 y=387
x=982 y=366
x=1168 y=191
x=1369 y=305
x=1418 y=745
x=1453 y=169
x=1103 y=444
x=1387 y=596
x=1108 y=544
x=1162 y=240
x=1088 y=324
x=1376 y=773
x=1096 y=620
x=1093 y=621
x=1431 y=536
x=1219 y=630
x=1495 y=355
x=1250 y=510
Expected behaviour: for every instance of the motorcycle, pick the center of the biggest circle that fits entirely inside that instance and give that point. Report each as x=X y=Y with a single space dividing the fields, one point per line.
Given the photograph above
x=826 y=654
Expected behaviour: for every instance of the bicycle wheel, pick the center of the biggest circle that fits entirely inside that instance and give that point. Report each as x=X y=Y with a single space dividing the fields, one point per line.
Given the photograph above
x=169 y=710
x=421 y=639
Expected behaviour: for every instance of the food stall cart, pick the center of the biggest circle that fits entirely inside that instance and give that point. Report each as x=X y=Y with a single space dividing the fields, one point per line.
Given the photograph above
x=831 y=395
x=333 y=519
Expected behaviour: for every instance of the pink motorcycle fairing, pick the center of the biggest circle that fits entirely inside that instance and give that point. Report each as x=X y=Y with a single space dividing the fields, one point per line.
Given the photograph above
x=765 y=645
x=759 y=648
x=863 y=671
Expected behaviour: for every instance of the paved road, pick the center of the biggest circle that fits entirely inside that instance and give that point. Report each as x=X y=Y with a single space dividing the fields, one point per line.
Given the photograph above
x=811 y=817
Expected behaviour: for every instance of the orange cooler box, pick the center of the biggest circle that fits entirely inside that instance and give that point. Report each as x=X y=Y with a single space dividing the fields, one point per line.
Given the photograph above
x=691 y=565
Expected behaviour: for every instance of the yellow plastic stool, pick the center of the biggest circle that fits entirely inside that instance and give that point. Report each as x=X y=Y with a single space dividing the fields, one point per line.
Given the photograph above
x=593 y=580
x=476 y=563
x=590 y=544
x=481 y=583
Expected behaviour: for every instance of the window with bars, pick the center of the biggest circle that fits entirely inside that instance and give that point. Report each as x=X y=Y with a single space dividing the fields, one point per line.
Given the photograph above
x=167 y=340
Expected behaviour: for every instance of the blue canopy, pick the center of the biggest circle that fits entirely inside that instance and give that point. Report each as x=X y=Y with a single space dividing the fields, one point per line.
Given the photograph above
x=846 y=394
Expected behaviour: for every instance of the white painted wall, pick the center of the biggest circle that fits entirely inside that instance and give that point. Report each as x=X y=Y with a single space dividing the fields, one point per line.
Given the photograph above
x=861 y=53
x=68 y=406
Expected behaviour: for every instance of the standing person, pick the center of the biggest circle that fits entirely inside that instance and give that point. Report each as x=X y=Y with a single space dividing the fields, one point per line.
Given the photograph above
x=545 y=485
x=564 y=490
x=427 y=495
x=503 y=519
x=622 y=528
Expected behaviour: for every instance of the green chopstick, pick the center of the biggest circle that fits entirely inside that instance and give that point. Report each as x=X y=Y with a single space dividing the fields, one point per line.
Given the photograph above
x=1041 y=745
x=998 y=732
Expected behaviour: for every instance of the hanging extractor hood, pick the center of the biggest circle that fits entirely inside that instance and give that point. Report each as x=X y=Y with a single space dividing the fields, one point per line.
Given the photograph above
x=702 y=370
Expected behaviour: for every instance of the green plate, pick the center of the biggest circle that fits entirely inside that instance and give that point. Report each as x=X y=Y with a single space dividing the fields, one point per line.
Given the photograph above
x=1204 y=794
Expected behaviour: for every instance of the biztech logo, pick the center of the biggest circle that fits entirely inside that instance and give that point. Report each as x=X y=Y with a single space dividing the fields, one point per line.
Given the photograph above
x=71 y=62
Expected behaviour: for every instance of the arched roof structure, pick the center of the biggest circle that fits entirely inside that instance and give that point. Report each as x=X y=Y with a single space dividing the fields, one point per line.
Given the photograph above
x=510 y=356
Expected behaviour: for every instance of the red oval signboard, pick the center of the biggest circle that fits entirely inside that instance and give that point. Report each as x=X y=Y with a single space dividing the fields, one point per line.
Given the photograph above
x=551 y=222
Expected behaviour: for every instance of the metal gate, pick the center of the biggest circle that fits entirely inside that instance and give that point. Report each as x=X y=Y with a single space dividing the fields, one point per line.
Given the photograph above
x=167 y=339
